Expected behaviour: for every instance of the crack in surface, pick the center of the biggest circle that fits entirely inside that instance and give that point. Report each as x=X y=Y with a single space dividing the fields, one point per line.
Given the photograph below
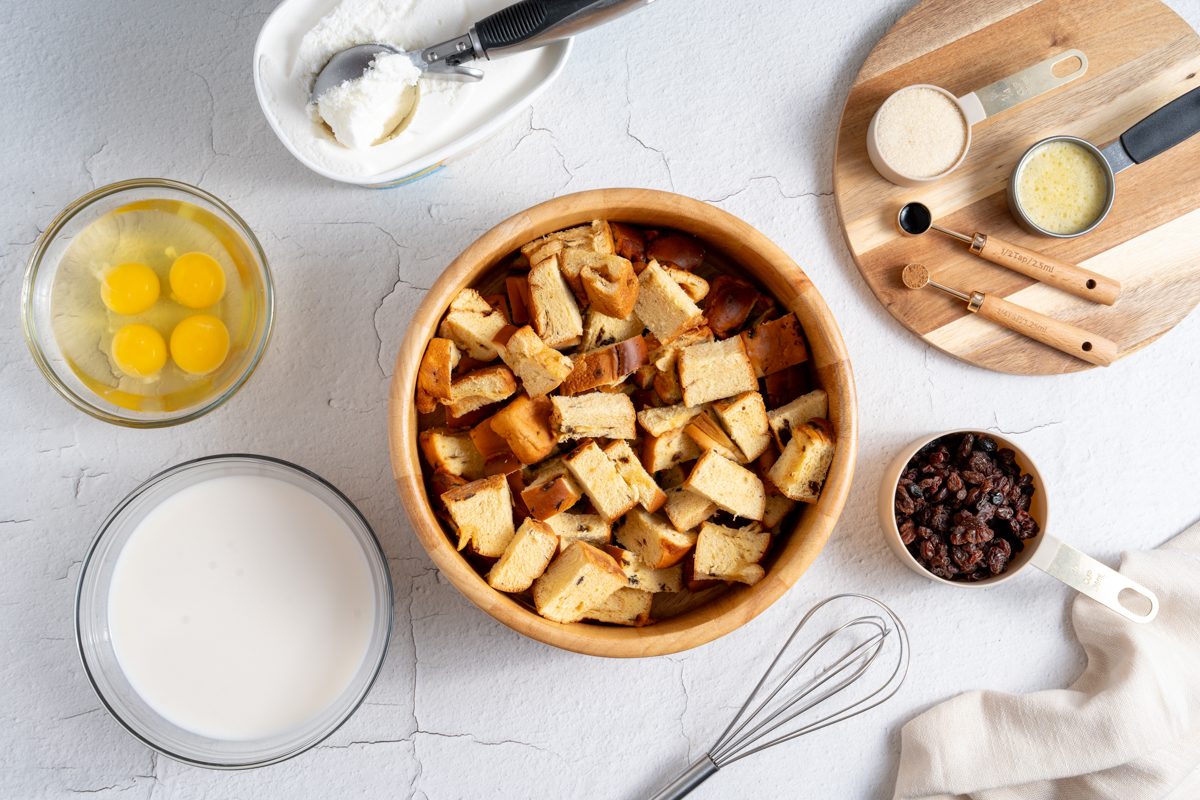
x=997 y=429
x=87 y=163
x=666 y=162
x=778 y=188
x=687 y=699
x=212 y=126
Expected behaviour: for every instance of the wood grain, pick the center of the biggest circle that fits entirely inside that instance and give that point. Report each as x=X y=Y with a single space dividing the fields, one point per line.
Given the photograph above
x=1141 y=55
x=739 y=244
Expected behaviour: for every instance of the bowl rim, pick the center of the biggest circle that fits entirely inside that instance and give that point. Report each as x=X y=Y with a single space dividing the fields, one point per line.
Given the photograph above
x=891 y=531
x=34 y=264
x=777 y=272
x=375 y=550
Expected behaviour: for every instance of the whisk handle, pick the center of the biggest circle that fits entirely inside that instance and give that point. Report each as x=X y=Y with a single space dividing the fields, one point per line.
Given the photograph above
x=688 y=780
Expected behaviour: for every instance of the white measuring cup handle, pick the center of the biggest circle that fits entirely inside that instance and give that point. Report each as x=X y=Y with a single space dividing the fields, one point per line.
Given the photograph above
x=1024 y=85
x=1087 y=575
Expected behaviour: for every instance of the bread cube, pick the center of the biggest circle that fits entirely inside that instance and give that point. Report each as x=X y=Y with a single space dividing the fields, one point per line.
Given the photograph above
x=517 y=289
x=664 y=419
x=804 y=464
x=481 y=388
x=597 y=475
x=525 y=558
x=451 y=452
x=640 y=576
x=731 y=554
x=436 y=373
x=686 y=509
x=525 y=426
x=596 y=237
x=550 y=496
x=624 y=607
x=590 y=528
x=540 y=367
x=649 y=495
x=482 y=513
x=606 y=366
x=472 y=323
x=708 y=434
x=609 y=282
x=663 y=306
x=595 y=415
x=731 y=486
x=729 y=304
x=776 y=345
x=552 y=306
x=601 y=330
x=692 y=284
x=778 y=506
x=814 y=405
x=579 y=580
x=673 y=447
x=715 y=370
x=653 y=540
x=745 y=420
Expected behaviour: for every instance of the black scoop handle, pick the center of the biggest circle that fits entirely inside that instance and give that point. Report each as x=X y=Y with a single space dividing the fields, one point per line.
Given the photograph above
x=1175 y=122
x=534 y=23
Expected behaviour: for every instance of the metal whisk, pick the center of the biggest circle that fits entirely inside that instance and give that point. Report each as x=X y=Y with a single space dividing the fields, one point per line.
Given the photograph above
x=866 y=657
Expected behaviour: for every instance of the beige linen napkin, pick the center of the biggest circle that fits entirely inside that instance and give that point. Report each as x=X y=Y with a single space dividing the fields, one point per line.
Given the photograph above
x=1128 y=729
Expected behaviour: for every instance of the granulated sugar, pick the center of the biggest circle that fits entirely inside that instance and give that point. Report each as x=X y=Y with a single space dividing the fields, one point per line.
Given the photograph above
x=920 y=132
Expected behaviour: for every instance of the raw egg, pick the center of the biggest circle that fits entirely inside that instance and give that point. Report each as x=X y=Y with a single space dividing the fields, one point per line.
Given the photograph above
x=197 y=280
x=139 y=351
x=200 y=344
x=129 y=288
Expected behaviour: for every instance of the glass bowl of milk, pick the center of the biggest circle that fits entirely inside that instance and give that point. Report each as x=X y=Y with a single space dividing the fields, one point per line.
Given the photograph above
x=233 y=611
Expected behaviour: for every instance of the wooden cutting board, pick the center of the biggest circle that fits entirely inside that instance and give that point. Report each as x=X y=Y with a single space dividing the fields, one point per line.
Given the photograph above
x=1141 y=55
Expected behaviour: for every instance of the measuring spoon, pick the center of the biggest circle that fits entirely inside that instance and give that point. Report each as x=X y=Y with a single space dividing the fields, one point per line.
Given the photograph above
x=974 y=107
x=1062 y=336
x=1174 y=123
x=915 y=219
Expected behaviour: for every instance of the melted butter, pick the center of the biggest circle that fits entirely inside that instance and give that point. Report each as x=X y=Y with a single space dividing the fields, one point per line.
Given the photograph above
x=1062 y=187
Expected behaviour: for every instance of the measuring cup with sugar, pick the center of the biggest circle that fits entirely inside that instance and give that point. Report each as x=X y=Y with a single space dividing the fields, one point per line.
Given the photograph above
x=922 y=133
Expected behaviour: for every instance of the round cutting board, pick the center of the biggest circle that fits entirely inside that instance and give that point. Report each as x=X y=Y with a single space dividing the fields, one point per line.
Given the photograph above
x=1141 y=55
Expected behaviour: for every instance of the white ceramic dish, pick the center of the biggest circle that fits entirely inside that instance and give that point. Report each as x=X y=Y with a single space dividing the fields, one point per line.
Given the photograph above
x=524 y=76
x=1054 y=557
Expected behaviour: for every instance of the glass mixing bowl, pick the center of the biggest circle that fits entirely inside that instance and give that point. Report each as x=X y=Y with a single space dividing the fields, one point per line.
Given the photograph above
x=106 y=400
x=100 y=660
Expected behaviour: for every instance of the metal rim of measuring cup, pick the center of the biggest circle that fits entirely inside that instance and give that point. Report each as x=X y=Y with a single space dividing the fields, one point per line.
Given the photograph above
x=1022 y=217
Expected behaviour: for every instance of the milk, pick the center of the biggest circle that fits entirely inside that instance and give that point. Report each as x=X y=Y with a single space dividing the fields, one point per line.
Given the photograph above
x=241 y=607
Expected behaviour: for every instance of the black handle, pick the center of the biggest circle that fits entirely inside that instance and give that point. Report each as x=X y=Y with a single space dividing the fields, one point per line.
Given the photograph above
x=539 y=20
x=1170 y=125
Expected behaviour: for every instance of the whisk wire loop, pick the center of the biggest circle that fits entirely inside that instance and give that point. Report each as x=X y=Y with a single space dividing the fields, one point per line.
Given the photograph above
x=859 y=650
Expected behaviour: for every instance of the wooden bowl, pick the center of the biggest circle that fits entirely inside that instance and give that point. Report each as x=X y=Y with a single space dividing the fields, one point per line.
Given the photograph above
x=742 y=245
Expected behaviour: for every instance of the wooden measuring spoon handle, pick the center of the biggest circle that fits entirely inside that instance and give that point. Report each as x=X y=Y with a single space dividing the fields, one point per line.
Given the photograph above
x=1066 y=276
x=1062 y=336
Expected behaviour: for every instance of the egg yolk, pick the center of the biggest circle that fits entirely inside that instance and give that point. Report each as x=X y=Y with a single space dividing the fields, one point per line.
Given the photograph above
x=199 y=344
x=197 y=280
x=139 y=351
x=129 y=288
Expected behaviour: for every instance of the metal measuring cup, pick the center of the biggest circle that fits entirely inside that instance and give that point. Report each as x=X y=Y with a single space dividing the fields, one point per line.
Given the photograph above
x=1054 y=557
x=1170 y=125
x=979 y=105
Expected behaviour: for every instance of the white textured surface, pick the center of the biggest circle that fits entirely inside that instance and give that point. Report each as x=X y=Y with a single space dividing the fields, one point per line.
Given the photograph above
x=675 y=97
